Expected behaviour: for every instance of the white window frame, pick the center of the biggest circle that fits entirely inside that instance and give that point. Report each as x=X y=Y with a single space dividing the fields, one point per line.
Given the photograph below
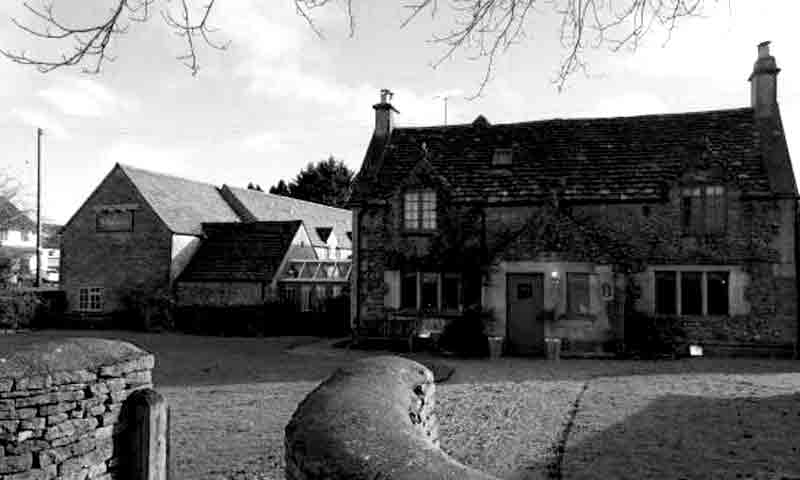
x=90 y=299
x=420 y=210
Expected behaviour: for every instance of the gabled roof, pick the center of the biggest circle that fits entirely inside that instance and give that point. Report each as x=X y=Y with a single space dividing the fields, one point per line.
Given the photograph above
x=601 y=159
x=51 y=235
x=261 y=206
x=553 y=231
x=182 y=204
x=12 y=218
x=250 y=251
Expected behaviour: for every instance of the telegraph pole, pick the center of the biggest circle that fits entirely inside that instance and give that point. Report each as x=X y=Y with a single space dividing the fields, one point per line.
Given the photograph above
x=38 y=206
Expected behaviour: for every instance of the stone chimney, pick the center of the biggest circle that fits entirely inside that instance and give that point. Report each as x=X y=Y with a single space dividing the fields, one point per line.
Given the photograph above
x=764 y=83
x=384 y=114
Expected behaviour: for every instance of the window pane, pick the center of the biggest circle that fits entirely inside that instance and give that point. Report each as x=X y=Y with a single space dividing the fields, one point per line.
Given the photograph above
x=691 y=293
x=430 y=291
x=429 y=210
x=408 y=291
x=717 y=289
x=715 y=211
x=665 y=292
x=451 y=292
x=578 y=292
x=686 y=213
x=83 y=299
x=411 y=210
x=502 y=156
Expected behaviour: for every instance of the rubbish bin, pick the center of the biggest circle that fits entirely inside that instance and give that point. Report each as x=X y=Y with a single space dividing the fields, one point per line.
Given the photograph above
x=495 y=346
x=553 y=348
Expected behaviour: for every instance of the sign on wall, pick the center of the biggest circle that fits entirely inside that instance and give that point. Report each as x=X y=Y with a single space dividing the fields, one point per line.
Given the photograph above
x=115 y=221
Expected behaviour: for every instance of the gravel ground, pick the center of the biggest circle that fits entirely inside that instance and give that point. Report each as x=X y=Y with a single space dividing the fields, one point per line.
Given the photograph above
x=231 y=398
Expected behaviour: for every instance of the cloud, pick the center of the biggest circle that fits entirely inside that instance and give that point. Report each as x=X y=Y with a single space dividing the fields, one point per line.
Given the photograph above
x=36 y=118
x=172 y=160
x=264 y=142
x=627 y=104
x=85 y=98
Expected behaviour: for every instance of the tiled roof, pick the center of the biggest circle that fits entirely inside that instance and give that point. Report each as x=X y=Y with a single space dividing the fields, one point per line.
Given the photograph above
x=585 y=159
x=51 y=235
x=266 y=206
x=12 y=218
x=241 y=251
x=181 y=203
x=553 y=231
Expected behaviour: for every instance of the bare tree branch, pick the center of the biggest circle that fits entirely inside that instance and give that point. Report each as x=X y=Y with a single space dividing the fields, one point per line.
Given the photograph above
x=481 y=29
x=90 y=44
x=184 y=27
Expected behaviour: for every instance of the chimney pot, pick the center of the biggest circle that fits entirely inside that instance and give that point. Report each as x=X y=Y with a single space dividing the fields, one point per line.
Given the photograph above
x=764 y=83
x=384 y=114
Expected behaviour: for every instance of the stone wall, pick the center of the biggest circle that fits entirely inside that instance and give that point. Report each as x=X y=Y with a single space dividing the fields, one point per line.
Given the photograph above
x=758 y=239
x=60 y=408
x=372 y=419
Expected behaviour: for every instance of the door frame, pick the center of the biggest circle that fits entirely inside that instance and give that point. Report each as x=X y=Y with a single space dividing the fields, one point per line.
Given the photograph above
x=509 y=275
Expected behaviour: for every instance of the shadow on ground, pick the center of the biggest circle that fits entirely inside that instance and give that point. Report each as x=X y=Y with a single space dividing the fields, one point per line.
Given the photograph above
x=689 y=437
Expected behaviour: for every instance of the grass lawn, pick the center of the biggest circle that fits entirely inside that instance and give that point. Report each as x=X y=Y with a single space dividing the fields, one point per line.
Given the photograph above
x=515 y=418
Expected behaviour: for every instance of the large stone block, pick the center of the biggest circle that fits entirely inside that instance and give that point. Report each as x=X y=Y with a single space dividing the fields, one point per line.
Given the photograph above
x=15 y=463
x=146 y=362
x=369 y=420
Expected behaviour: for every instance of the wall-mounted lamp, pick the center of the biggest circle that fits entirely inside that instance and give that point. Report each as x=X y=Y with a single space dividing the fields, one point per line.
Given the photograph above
x=555 y=278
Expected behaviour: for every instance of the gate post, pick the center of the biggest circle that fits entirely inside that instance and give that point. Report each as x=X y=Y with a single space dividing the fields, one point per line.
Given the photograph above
x=148 y=436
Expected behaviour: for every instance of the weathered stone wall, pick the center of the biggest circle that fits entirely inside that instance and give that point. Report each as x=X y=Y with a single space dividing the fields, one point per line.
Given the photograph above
x=759 y=238
x=60 y=405
x=372 y=419
x=118 y=261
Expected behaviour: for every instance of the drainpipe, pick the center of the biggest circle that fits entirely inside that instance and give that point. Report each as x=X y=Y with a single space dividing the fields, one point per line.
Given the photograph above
x=355 y=304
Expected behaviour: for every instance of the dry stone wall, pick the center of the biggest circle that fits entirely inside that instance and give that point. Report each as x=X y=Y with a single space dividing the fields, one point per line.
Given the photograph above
x=61 y=404
x=372 y=419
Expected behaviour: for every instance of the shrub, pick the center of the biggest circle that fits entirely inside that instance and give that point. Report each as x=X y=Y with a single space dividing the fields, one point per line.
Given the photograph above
x=466 y=335
x=18 y=309
x=652 y=337
x=148 y=310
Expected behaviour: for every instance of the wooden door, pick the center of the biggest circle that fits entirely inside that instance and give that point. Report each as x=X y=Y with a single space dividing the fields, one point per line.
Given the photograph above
x=524 y=303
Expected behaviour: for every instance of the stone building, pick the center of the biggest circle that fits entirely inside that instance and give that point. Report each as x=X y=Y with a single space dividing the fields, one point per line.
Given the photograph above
x=581 y=229
x=138 y=231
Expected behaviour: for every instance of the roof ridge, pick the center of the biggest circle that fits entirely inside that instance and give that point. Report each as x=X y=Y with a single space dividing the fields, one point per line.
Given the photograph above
x=162 y=174
x=578 y=119
x=316 y=204
x=257 y=222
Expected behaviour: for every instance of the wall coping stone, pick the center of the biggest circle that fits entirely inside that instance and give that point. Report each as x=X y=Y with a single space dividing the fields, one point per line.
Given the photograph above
x=30 y=356
x=371 y=419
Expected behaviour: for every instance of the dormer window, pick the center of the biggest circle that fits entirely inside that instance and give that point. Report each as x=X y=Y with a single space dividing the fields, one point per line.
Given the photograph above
x=502 y=157
x=703 y=209
x=419 y=210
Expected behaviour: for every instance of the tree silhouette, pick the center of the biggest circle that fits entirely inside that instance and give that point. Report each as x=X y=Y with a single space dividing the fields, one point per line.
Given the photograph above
x=327 y=182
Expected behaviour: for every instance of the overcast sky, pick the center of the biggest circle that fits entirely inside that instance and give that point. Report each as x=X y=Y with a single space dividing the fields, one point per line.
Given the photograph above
x=280 y=97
